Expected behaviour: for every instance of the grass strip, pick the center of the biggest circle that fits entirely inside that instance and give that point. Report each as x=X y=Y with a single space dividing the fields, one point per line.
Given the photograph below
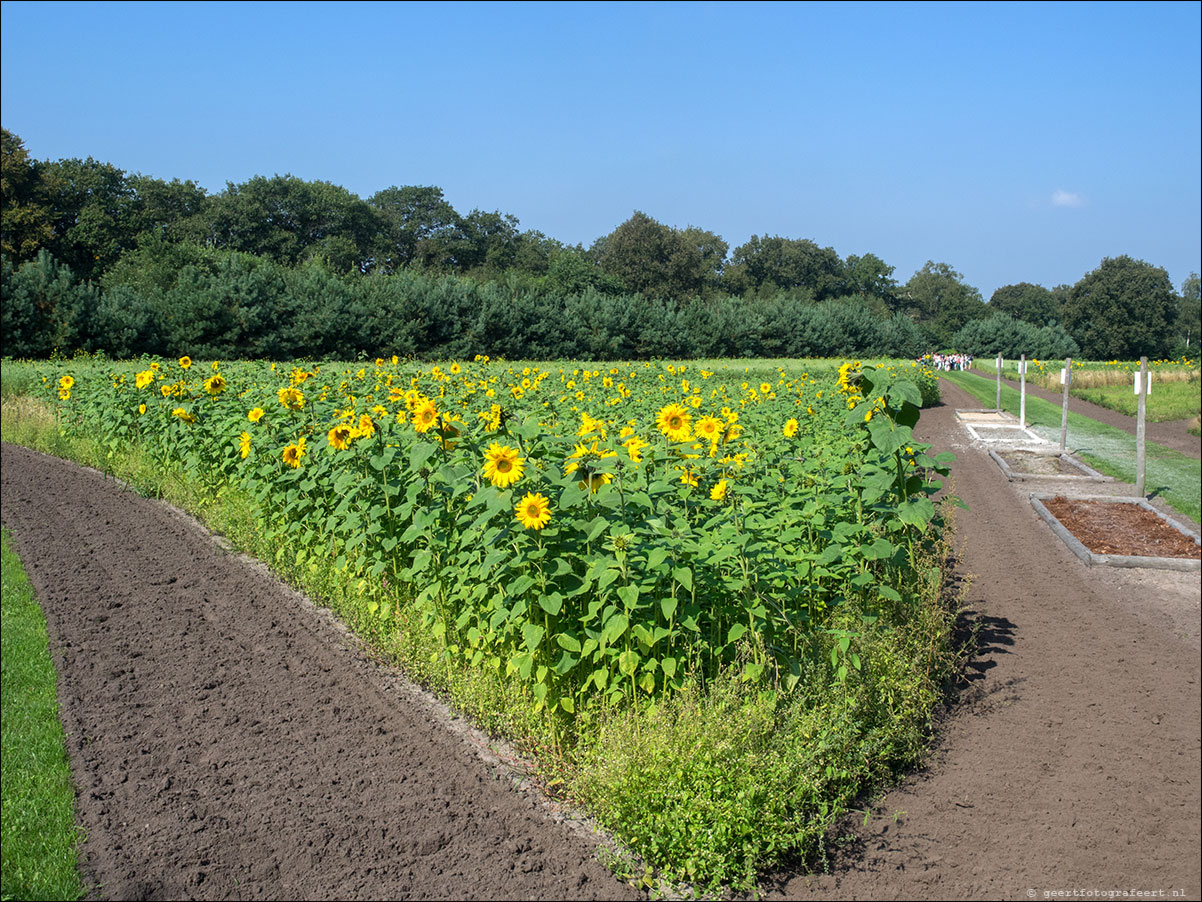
x=1168 y=474
x=38 y=824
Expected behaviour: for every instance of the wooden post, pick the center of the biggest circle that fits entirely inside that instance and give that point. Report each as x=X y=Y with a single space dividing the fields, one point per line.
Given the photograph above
x=1022 y=392
x=1068 y=380
x=1140 y=428
x=999 y=384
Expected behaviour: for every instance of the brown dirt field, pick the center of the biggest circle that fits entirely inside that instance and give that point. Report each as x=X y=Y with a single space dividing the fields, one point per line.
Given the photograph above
x=228 y=741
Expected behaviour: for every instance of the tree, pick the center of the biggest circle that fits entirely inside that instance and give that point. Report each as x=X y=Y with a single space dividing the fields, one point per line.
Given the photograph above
x=1189 y=319
x=870 y=277
x=773 y=263
x=1031 y=303
x=87 y=198
x=25 y=218
x=422 y=229
x=658 y=261
x=1122 y=310
x=939 y=298
x=290 y=220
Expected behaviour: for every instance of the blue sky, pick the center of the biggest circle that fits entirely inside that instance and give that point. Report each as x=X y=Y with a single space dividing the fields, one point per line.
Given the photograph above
x=1016 y=142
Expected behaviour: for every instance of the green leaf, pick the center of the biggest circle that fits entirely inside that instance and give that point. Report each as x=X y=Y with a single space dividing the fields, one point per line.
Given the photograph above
x=736 y=632
x=567 y=704
x=532 y=635
x=419 y=454
x=668 y=606
x=552 y=603
x=614 y=629
x=684 y=576
x=568 y=642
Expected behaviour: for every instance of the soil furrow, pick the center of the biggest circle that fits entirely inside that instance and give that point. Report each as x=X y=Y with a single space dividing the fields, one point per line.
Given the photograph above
x=227 y=742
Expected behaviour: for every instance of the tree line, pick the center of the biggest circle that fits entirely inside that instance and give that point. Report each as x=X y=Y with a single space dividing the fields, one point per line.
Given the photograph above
x=103 y=260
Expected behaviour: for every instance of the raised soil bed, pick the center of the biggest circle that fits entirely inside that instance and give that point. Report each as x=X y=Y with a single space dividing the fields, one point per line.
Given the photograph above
x=1023 y=465
x=1120 y=532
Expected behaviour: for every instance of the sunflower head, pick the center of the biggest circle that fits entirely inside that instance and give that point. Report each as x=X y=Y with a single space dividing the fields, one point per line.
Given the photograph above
x=215 y=385
x=502 y=465
x=340 y=436
x=673 y=421
x=425 y=415
x=583 y=463
x=533 y=511
x=293 y=454
x=292 y=398
x=244 y=444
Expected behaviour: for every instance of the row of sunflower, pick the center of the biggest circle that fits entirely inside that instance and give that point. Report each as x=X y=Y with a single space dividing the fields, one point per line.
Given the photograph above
x=598 y=534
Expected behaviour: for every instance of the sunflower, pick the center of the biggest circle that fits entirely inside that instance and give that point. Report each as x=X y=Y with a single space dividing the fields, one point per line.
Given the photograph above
x=366 y=428
x=502 y=466
x=141 y=409
x=533 y=511
x=340 y=436
x=184 y=415
x=673 y=421
x=185 y=362
x=790 y=428
x=634 y=447
x=244 y=444
x=215 y=385
x=292 y=398
x=255 y=414
x=711 y=429
x=718 y=492
x=293 y=453
x=583 y=462
x=687 y=477
x=144 y=378
x=66 y=383
x=425 y=415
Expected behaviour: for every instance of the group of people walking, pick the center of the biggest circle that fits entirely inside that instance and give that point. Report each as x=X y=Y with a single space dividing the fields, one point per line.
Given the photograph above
x=948 y=362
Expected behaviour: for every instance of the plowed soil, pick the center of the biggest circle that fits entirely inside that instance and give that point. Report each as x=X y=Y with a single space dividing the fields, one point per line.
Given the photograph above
x=229 y=741
x=1110 y=527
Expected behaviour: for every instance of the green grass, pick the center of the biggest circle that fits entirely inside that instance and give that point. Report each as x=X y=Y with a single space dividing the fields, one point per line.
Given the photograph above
x=38 y=823
x=1168 y=474
x=1168 y=401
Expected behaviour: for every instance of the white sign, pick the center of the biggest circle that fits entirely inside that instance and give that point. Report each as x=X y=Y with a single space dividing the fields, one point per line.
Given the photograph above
x=1022 y=367
x=1062 y=375
x=1137 y=380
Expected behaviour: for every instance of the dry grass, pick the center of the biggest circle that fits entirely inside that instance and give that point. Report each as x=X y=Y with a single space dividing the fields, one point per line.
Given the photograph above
x=1104 y=378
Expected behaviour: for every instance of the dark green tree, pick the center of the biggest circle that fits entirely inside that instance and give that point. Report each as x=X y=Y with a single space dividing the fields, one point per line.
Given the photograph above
x=870 y=278
x=774 y=263
x=26 y=221
x=940 y=300
x=1122 y=310
x=658 y=261
x=1031 y=303
x=421 y=227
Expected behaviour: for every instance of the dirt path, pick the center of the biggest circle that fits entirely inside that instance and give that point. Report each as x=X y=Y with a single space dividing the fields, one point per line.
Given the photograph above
x=1173 y=434
x=228 y=743
x=226 y=740
x=1073 y=762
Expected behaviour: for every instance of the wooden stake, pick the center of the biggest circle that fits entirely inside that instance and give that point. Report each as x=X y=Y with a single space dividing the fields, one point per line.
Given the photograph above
x=1022 y=392
x=999 y=383
x=1068 y=380
x=1140 y=427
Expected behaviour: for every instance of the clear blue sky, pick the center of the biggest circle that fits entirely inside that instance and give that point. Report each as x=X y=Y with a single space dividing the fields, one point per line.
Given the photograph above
x=1016 y=142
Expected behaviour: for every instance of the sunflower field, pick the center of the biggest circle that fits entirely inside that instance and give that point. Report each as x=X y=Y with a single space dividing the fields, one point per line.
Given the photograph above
x=608 y=547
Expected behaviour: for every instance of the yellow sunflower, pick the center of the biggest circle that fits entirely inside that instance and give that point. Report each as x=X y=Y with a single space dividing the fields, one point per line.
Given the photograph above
x=185 y=362
x=425 y=415
x=711 y=429
x=292 y=398
x=255 y=414
x=673 y=421
x=184 y=415
x=533 y=511
x=340 y=436
x=366 y=428
x=718 y=492
x=293 y=453
x=583 y=463
x=244 y=444
x=215 y=385
x=502 y=466
x=144 y=378
x=66 y=383
x=790 y=428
